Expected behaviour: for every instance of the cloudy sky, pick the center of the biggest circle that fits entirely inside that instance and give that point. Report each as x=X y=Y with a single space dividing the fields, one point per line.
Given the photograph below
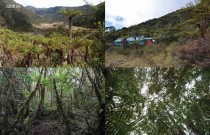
x=52 y=3
x=124 y=13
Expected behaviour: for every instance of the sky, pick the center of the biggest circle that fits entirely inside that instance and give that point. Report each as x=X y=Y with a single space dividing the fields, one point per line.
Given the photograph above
x=125 y=13
x=53 y=3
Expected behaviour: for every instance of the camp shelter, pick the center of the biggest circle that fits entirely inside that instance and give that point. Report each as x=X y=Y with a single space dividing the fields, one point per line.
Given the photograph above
x=131 y=40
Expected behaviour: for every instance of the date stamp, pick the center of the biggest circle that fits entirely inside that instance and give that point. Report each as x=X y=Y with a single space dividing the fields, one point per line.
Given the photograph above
x=12 y=6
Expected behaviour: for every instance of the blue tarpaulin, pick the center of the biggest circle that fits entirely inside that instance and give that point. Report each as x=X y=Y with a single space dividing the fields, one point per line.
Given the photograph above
x=141 y=40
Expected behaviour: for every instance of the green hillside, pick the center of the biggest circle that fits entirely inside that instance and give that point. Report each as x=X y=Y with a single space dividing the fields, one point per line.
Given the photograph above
x=165 y=28
x=168 y=28
x=17 y=18
x=181 y=39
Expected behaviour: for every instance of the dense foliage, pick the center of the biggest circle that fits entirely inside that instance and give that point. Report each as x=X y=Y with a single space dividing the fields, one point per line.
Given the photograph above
x=54 y=101
x=36 y=50
x=164 y=101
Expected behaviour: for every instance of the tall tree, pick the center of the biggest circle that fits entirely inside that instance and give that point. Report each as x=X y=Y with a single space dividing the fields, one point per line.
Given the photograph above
x=70 y=13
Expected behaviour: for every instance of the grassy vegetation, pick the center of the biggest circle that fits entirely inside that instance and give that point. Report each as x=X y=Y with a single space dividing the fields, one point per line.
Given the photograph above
x=146 y=56
x=193 y=53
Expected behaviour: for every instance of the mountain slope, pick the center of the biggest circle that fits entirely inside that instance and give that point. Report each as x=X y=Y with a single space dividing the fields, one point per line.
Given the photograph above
x=86 y=20
x=17 y=18
x=52 y=14
x=32 y=8
x=166 y=28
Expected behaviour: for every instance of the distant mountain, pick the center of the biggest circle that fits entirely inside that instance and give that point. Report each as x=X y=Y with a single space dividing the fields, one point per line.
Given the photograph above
x=17 y=18
x=52 y=14
x=22 y=18
x=33 y=9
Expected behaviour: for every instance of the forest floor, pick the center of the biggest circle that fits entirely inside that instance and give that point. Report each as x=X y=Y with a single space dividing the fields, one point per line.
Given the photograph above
x=146 y=56
x=52 y=124
x=45 y=125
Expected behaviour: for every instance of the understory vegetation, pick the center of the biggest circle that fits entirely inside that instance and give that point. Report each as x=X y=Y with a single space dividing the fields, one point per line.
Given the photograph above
x=54 y=49
x=157 y=101
x=52 y=101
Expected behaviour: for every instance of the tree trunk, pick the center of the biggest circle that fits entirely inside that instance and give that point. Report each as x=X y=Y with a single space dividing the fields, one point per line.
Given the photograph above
x=70 y=27
x=61 y=110
x=8 y=74
x=101 y=113
x=70 y=57
x=26 y=103
x=40 y=110
x=86 y=54
x=52 y=96
x=203 y=26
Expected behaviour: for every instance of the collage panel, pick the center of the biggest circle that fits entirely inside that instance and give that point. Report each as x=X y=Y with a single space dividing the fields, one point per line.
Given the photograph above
x=87 y=67
x=52 y=101
x=151 y=33
x=157 y=101
x=51 y=33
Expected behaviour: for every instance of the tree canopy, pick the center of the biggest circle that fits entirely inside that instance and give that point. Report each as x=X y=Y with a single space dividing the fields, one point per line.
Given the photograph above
x=157 y=101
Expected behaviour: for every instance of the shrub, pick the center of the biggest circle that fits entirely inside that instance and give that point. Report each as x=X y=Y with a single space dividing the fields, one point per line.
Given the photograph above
x=196 y=53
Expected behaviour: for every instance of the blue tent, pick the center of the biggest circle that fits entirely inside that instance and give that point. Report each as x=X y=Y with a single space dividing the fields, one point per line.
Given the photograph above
x=117 y=42
x=131 y=40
